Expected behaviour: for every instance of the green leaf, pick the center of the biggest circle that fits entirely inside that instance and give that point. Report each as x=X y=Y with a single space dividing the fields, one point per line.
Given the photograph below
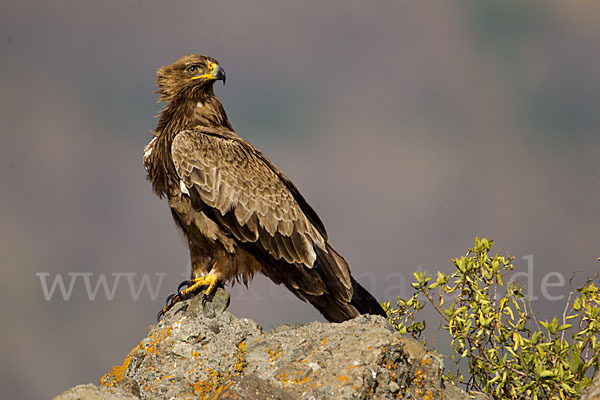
x=547 y=374
x=567 y=388
x=577 y=304
x=563 y=327
x=575 y=361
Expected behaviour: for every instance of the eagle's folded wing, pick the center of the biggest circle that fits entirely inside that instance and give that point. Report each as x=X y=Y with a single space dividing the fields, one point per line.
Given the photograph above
x=253 y=200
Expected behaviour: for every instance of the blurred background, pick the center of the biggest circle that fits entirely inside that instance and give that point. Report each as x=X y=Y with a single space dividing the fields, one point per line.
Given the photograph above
x=410 y=127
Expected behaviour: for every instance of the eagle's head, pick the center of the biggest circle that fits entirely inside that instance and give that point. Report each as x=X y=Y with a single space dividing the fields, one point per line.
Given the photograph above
x=195 y=73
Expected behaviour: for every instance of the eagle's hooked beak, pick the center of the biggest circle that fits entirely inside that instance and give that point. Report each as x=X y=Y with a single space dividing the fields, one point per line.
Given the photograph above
x=216 y=73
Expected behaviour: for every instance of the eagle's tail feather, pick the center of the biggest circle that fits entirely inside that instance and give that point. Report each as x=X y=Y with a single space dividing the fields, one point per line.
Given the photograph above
x=332 y=310
x=364 y=301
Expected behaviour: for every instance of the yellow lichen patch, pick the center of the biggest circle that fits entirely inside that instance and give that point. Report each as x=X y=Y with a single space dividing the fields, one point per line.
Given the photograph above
x=154 y=339
x=390 y=365
x=344 y=379
x=274 y=354
x=418 y=379
x=417 y=385
x=144 y=385
x=196 y=354
x=220 y=389
x=324 y=341
x=214 y=384
x=305 y=359
x=290 y=379
x=428 y=395
x=353 y=366
x=117 y=373
x=425 y=361
x=205 y=387
x=282 y=376
x=423 y=394
x=241 y=357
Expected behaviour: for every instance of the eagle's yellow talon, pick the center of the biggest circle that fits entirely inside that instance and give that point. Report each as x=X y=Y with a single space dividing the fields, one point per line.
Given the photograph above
x=208 y=280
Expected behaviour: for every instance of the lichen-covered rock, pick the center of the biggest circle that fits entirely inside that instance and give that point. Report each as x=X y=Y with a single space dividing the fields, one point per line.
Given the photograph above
x=93 y=392
x=191 y=353
x=245 y=387
x=199 y=350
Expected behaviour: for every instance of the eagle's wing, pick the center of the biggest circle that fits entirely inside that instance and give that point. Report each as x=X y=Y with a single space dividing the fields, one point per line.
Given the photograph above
x=254 y=201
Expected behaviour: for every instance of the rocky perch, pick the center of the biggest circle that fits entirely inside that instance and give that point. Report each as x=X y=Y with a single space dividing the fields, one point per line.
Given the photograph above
x=201 y=351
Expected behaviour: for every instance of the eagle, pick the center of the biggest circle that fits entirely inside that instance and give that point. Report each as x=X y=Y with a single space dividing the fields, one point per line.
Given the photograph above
x=239 y=213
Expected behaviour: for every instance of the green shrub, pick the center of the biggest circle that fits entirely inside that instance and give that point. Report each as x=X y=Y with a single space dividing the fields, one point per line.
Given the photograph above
x=510 y=354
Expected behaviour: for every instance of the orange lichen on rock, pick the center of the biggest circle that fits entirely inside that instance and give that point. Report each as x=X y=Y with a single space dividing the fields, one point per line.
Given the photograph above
x=217 y=381
x=419 y=377
x=418 y=383
x=274 y=354
x=285 y=378
x=156 y=337
x=344 y=379
x=423 y=394
x=117 y=373
x=241 y=357
x=220 y=389
x=204 y=387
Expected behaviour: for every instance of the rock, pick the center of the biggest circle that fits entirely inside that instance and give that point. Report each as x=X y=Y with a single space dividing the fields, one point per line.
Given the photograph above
x=593 y=392
x=247 y=387
x=199 y=350
x=93 y=392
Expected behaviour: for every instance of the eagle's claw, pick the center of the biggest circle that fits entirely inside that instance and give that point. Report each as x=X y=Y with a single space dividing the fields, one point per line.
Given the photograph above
x=184 y=285
x=169 y=298
x=172 y=299
x=187 y=289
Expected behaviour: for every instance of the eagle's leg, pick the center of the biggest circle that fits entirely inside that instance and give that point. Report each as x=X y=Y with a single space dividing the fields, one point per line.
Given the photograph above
x=205 y=284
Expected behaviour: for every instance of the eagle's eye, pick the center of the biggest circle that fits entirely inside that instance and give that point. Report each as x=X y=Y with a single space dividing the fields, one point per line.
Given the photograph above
x=193 y=69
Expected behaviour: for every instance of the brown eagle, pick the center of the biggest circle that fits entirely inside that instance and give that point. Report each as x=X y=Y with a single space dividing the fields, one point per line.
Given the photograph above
x=239 y=213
